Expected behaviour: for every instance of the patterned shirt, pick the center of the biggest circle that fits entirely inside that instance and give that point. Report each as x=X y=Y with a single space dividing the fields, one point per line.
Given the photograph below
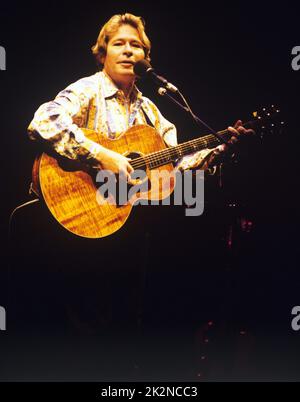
x=96 y=103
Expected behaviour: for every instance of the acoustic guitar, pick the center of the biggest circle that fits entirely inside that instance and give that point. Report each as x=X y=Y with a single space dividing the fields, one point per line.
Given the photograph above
x=70 y=189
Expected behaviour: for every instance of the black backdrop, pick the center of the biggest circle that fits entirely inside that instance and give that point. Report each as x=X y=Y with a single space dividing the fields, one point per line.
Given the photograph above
x=229 y=59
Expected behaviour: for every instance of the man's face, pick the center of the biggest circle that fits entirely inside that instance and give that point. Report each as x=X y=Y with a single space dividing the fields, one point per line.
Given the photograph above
x=124 y=49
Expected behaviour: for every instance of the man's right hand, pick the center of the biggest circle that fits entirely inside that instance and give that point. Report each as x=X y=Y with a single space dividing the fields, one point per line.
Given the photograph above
x=115 y=162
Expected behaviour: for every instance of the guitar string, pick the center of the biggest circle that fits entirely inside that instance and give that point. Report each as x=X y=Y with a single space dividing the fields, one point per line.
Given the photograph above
x=182 y=147
x=159 y=156
x=185 y=148
x=169 y=155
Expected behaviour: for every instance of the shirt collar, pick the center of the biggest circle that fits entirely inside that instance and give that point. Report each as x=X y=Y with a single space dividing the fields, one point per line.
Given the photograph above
x=110 y=89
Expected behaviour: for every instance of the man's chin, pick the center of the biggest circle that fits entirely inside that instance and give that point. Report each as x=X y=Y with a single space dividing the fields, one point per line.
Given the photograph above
x=126 y=74
x=127 y=71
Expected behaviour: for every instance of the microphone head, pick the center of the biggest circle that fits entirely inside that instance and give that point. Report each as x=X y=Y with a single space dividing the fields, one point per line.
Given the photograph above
x=142 y=68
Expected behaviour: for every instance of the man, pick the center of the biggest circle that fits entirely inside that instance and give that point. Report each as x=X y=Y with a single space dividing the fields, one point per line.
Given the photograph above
x=108 y=102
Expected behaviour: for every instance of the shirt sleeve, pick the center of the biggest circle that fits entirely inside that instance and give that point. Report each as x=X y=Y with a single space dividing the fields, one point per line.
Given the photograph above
x=54 y=122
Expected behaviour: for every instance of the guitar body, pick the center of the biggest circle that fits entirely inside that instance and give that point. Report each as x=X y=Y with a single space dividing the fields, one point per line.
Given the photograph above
x=70 y=190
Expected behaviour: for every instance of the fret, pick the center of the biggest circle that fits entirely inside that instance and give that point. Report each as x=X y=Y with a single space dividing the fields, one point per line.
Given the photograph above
x=189 y=147
x=169 y=155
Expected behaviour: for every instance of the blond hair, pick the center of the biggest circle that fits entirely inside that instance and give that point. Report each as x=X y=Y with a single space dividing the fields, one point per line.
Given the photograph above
x=111 y=27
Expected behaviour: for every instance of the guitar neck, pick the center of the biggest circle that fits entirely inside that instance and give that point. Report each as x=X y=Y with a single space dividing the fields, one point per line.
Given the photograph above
x=169 y=155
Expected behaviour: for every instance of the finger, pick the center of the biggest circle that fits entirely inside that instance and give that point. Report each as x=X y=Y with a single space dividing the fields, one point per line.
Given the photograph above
x=233 y=131
x=129 y=168
x=249 y=132
x=123 y=174
x=245 y=132
x=238 y=123
x=127 y=174
x=135 y=182
x=241 y=130
x=221 y=148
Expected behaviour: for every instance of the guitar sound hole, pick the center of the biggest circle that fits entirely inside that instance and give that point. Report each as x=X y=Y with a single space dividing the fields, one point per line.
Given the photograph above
x=137 y=165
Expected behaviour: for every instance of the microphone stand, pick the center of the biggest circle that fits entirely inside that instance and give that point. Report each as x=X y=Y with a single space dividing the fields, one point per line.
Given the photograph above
x=163 y=92
x=234 y=215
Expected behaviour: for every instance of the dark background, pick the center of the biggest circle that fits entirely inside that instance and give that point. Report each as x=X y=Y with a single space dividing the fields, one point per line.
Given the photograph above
x=229 y=59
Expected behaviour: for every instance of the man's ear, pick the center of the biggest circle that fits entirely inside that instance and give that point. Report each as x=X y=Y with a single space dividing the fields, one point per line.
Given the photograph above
x=102 y=59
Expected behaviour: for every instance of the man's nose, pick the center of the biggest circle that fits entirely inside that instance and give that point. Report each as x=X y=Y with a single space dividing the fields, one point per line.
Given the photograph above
x=127 y=48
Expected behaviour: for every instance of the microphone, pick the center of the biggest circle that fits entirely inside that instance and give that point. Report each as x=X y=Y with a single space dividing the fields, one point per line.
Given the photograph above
x=144 y=69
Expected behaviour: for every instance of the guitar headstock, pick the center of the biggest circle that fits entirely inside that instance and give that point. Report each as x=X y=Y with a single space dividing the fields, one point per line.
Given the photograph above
x=268 y=121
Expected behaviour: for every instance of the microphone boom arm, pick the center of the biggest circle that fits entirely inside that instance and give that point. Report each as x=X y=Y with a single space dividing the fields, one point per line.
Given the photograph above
x=163 y=92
